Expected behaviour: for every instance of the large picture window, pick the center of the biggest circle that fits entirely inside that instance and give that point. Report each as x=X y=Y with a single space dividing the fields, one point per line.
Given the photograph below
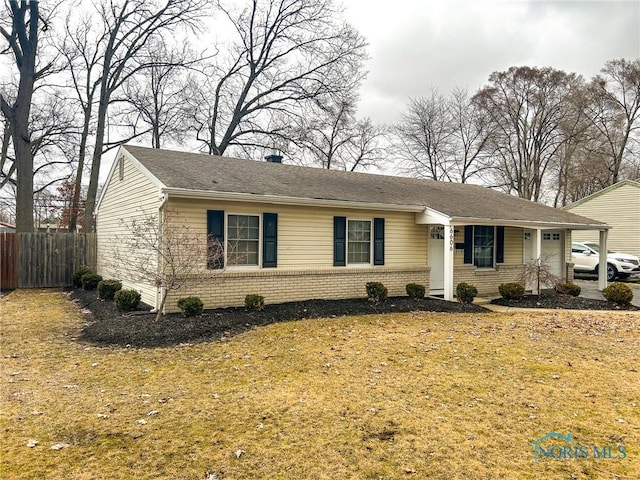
x=483 y=245
x=243 y=240
x=359 y=241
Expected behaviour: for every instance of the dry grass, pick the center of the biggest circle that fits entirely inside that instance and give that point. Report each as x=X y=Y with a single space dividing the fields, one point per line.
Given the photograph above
x=422 y=395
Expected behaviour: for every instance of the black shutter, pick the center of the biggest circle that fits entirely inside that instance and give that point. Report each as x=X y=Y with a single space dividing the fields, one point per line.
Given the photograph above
x=339 y=241
x=499 y=244
x=378 y=241
x=215 y=239
x=468 y=244
x=269 y=240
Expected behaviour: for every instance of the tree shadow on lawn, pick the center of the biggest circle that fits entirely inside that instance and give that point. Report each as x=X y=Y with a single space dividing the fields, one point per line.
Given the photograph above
x=107 y=326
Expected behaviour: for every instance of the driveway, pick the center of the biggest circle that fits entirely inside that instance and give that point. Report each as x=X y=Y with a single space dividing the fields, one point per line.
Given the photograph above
x=589 y=285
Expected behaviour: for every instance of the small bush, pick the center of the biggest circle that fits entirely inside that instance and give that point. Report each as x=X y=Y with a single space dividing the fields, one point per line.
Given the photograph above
x=618 y=293
x=90 y=281
x=568 y=289
x=511 y=291
x=190 y=306
x=108 y=288
x=126 y=300
x=377 y=292
x=466 y=292
x=76 y=277
x=415 y=290
x=254 y=302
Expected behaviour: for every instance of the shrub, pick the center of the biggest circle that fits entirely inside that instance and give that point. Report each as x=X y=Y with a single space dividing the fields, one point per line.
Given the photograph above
x=254 y=302
x=190 y=306
x=511 y=291
x=76 y=277
x=108 y=288
x=415 y=290
x=90 y=281
x=377 y=292
x=126 y=300
x=568 y=289
x=618 y=293
x=466 y=292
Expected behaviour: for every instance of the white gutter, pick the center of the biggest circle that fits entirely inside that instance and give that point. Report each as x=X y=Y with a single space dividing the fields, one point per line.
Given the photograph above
x=282 y=200
x=528 y=223
x=426 y=214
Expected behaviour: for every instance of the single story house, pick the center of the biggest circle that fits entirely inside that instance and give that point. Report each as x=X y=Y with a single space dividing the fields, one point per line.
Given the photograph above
x=619 y=206
x=313 y=233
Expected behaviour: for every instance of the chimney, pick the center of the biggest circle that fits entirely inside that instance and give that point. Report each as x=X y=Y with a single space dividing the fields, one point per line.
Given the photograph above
x=274 y=157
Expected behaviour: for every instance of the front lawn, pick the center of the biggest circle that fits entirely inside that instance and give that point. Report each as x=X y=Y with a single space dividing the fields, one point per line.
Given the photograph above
x=385 y=396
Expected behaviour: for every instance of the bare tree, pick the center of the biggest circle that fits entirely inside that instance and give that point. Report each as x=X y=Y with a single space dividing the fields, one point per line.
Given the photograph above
x=526 y=107
x=470 y=133
x=106 y=55
x=22 y=42
x=284 y=53
x=166 y=253
x=538 y=272
x=156 y=94
x=615 y=110
x=7 y=161
x=425 y=134
x=329 y=135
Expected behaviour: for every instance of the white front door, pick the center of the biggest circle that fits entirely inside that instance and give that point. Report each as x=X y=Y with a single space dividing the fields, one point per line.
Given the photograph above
x=552 y=251
x=436 y=257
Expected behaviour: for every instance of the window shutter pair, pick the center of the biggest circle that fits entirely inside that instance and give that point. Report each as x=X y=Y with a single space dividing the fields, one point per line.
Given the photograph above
x=340 y=241
x=215 y=239
x=468 y=244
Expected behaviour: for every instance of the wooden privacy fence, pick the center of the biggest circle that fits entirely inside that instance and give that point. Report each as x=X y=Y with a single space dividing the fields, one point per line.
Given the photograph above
x=40 y=260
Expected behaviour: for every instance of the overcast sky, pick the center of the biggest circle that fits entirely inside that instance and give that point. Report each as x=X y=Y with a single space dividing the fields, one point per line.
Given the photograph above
x=417 y=44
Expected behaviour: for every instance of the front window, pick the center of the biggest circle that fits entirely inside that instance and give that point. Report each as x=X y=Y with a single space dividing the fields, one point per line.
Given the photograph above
x=359 y=241
x=483 y=241
x=243 y=239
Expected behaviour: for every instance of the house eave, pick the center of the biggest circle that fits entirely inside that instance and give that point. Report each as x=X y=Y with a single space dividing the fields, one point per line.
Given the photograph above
x=533 y=224
x=285 y=200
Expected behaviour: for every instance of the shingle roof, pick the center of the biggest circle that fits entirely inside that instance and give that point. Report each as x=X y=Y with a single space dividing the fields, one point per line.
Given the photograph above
x=207 y=173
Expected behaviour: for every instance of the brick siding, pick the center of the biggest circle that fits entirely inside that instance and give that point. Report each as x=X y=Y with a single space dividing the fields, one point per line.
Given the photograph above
x=487 y=280
x=277 y=286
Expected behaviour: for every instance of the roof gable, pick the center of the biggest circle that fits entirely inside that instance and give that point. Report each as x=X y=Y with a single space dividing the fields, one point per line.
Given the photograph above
x=204 y=174
x=604 y=191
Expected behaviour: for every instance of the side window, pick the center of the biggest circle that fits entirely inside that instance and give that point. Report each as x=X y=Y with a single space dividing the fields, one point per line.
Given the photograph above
x=483 y=242
x=359 y=241
x=243 y=240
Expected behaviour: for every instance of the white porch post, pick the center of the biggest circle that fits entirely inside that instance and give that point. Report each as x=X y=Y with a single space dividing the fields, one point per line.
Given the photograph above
x=537 y=253
x=602 y=264
x=449 y=244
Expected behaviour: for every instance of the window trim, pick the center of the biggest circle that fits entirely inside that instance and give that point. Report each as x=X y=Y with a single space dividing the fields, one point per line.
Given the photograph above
x=493 y=248
x=226 y=241
x=371 y=234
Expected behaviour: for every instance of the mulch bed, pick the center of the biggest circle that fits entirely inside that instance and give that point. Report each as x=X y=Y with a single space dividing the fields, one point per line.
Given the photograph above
x=562 y=302
x=140 y=329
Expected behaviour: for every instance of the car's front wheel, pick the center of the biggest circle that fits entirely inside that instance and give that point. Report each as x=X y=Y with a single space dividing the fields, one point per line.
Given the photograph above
x=611 y=272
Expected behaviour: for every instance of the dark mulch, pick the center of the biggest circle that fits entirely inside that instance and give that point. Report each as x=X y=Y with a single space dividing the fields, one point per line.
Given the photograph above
x=139 y=329
x=562 y=302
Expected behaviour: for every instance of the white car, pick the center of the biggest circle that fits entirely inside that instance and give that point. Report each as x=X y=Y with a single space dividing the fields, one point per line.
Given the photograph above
x=586 y=259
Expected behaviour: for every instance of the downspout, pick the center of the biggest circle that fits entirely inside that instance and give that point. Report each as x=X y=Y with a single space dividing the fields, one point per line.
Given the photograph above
x=164 y=199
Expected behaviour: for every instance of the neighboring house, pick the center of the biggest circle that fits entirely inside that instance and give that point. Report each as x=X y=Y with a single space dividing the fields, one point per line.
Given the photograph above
x=7 y=228
x=315 y=233
x=619 y=206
